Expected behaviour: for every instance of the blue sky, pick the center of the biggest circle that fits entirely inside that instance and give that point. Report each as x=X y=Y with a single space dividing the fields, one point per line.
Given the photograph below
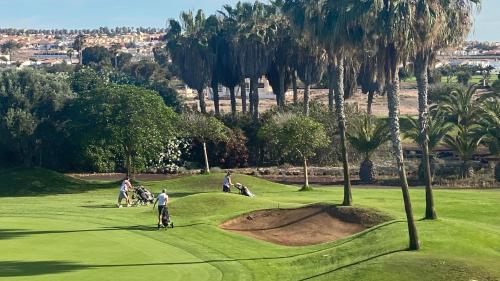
x=153 y=13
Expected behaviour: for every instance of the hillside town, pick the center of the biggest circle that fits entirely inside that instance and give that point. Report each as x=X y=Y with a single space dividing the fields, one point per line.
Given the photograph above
x=35 y=49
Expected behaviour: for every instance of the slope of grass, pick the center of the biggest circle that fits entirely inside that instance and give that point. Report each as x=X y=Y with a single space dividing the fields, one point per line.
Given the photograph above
x=37 y=181
x=81 y=236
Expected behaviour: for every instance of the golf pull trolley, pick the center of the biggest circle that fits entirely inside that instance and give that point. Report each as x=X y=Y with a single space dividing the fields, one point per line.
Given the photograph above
x=165 y=220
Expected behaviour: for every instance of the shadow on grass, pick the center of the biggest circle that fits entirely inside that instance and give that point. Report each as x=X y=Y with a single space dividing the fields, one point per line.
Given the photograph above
x=15 y=233
x=22 y=268
x=33 y=268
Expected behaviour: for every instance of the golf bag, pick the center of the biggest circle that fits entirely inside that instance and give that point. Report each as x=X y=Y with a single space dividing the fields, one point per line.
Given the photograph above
x=165 y=218
x=143 y=196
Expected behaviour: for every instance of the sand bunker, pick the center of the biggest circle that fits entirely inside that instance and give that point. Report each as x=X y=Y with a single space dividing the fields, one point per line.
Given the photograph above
x=310 y=225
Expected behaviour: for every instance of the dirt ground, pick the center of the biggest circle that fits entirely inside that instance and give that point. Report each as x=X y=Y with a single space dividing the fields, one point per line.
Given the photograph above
x=408 y=98
x=304 y=226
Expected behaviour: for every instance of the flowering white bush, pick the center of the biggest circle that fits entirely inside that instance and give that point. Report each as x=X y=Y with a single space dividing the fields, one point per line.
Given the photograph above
x=169 y=160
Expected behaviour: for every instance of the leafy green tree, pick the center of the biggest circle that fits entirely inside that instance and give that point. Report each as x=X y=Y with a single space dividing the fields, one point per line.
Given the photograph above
x=123 y=59
x=130 y=124
x=296 y=137
x=10 y=47
x=366 y=134
x=87 y=79
x=29 y=100
x=204 y=129
x=96 y=56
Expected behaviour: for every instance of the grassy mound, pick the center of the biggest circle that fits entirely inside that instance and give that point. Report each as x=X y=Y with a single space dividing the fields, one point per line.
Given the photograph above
x=37 y=181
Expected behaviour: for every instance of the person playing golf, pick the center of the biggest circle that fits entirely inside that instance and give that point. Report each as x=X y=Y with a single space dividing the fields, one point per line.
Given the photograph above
x=226 y=186
x=162 y=201
x=124 y=188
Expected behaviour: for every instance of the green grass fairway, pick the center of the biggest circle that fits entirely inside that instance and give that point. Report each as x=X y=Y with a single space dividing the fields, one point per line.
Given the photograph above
x=70 y=235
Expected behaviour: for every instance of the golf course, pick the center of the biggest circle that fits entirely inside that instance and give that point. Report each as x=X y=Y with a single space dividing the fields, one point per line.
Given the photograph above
x=55 y=227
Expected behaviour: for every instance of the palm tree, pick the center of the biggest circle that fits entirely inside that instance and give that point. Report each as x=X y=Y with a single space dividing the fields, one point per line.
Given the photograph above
x=69 y=53
x=465 y=143
x=280 y=71
x=335 y=27
x=489 y=128
x=79 y=45
x=367 y=79
x=115 y=47
x=437 y=128
x=366 y=135
x=464 y=110
x=390 y=24
x=311 y=61
x=254 y=46
x=438 y=24
x=191 y=53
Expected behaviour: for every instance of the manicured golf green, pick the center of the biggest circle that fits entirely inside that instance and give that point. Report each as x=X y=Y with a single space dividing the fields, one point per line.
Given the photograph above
x=81 y=236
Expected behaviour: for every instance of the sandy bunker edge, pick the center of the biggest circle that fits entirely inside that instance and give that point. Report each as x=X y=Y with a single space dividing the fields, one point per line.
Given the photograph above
x=309 y=225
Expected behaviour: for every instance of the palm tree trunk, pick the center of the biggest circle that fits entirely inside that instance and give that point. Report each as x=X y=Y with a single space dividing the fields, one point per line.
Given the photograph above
x=215 y=92
x=306 y=99
x=331 y=89
x=205 y=155
x=339 y=106
x=251 y=97
x=280 y=98
x=393 y=105
x=201 y=99
x=421 y=65
x=294 y=86
x=243 y=90
x=255 y=93
x=370 y=102
x=233 y=100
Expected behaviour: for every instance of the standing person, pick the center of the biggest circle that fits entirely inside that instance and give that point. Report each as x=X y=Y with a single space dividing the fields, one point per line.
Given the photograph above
x=124 y=188
x=162 y=201
x=226 y=186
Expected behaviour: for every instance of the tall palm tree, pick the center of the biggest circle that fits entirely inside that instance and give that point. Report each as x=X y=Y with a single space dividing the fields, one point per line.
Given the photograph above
x=232 y=19
x=367 y=79
x=254 y=46
x=79 y=45
x=279 y=74
x=114 y=51
x=311 y=62
x=438 y=24
x=69 y=53
x=390 y=23
x=334 y=25
x=367 y=134
x=188 y=45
